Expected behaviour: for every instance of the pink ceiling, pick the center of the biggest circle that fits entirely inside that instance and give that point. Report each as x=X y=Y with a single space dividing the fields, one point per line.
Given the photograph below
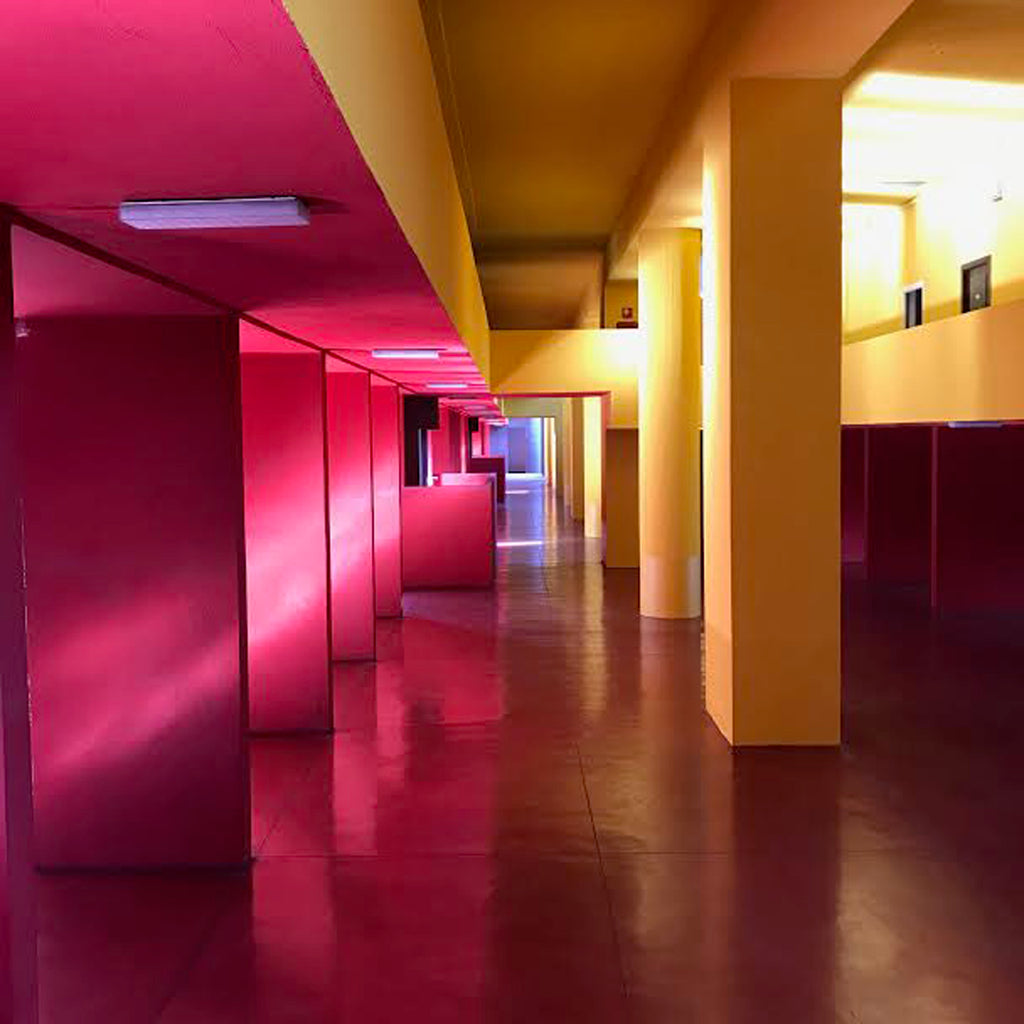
x=105 y=100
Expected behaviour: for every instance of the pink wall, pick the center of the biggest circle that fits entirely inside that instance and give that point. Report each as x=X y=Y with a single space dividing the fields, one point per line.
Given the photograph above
x=447 y=537
x=387 y=496
x=899 y=485
x=350 y=469
x=853 y=492
x=490 y=464
x=133 y=540
x=17 y=886
x=978 y=546
x=286 y=541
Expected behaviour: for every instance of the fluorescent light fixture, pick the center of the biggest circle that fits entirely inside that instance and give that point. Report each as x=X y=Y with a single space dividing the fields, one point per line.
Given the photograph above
x=451 y=385
x=196 y=214
x=406 y=353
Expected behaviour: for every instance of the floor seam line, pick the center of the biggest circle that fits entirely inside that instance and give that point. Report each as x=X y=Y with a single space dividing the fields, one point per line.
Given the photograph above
x=613 y=923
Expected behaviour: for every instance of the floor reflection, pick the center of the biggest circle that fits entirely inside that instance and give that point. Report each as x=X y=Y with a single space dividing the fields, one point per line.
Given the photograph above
x=524 y=815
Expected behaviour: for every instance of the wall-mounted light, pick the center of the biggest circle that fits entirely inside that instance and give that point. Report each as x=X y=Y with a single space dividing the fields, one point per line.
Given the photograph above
x=202 y=214
x=406 y=353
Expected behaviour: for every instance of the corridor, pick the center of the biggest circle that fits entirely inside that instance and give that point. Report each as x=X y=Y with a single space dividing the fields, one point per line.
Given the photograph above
x=525 y=816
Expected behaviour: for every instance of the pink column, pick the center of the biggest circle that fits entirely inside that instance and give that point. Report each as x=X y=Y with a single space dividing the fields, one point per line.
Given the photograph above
x=286 y=541
x=17 y=917
x=978 y=543
x=387 y=488
x=350 y=484
x=134 y=562
x=899 y=482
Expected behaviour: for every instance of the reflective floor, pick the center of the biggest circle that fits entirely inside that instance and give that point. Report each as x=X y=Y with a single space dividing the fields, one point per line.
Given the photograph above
x=526 y=817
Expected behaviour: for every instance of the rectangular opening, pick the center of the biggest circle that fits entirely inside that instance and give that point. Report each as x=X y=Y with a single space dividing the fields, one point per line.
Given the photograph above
x=913 y=305
x=976 y=284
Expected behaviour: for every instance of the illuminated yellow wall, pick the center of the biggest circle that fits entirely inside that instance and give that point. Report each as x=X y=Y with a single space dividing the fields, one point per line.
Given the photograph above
x=957 y=222
x=969 y=367
x=622 y=500
x=950 y=223
x=375 y=59
x=531 y=362
x=874 y=269
x=617 y=295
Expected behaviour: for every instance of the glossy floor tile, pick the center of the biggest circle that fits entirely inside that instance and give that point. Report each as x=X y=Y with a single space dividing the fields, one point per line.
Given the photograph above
x=525 y=816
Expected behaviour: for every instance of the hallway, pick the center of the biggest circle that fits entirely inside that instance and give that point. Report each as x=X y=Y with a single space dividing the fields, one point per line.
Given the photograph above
x=526 y=816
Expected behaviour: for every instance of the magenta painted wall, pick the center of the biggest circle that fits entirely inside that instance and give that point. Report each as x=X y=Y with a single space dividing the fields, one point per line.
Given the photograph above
x=387 y=497
x=18 y=1000
x=133 y=539
x=899 y=494
x=447 y=537
x=350 y=485
x=286 y=541
x=853 y=493
x=978 y=548
x=490 y=464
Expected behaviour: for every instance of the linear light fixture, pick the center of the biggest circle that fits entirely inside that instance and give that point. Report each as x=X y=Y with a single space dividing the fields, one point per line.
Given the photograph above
x=197 y=214
x=450 y=386
x=406 y=353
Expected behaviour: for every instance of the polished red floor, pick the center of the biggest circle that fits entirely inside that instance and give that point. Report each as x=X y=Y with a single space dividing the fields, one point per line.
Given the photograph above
x=526 y=817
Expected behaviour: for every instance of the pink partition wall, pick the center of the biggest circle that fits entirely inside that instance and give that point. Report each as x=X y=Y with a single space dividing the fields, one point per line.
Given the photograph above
x=286 y=541
x=448 y=536
x=854 y=492
x=978 y=543
x=899 y=494
x=17 y=919
x=490 y=464
x=134 y=560
x=350 y=485
x=387 y=496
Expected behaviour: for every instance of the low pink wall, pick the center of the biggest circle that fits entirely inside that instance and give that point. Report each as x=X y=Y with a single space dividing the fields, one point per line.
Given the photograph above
x=447 y=537
x=18 y=999
x=134 y=560
x=350 y=486
x=977 y=540
x=387 y=496
x=490 y=464
x=286 y=541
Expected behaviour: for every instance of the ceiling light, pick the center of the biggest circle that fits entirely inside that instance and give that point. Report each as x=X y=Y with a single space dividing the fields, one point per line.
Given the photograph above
x=191 y=214
x=406 y=353
x=449 y=386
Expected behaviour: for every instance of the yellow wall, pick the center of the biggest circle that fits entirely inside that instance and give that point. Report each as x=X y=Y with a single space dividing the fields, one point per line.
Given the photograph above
x=593 y=466
x=873 y=269
x=969 y=367
x=528 y=362
x=618 y=294
x=375 y=59
x=579 y=465
x=622 y=500
x=957 y=222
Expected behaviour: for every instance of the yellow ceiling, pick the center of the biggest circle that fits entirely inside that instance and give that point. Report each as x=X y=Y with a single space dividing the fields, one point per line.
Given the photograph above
x=555 y=104
x=940 y=98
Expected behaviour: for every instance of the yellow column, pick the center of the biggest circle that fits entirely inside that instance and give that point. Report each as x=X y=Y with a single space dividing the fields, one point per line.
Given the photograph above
x=669 y=397
x=593 y=469
x=772 y=190
x=567 y=453
x=578 y=463
x=551 y=467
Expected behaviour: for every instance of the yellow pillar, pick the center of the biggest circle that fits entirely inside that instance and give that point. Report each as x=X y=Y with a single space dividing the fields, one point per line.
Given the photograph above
x=772 y=190
x=567 y=454
x=669 y=397
x=559 y=432
x=593 y=468
x=578 y=463
x=622 y=500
